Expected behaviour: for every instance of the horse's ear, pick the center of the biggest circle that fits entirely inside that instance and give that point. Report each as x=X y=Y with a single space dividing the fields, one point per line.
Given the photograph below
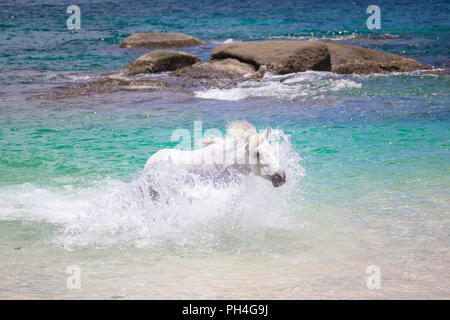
x=266 y=133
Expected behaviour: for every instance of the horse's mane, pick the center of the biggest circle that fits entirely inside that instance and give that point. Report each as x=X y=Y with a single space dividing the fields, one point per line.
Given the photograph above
x=238 y=130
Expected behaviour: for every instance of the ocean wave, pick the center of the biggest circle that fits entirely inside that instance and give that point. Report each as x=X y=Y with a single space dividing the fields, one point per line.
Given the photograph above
x=69 y=76
x=341 y=36
x=313 y=37
x=191 y=211
x=290 y=86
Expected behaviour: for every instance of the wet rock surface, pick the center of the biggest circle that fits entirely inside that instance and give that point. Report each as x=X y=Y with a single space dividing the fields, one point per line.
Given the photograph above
x=160 y=61
x=151 y=40
x=109 y=84
x=236 y=62
x=218 y=72
x=283 y=57
x=352 y=59
x=280 y=57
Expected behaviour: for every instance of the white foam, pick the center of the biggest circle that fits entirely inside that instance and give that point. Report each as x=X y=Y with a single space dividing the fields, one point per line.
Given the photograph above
x=290 y=86
x=73 y=77
x=338 y=36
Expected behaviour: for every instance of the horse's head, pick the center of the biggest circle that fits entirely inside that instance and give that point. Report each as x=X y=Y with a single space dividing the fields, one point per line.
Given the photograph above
x=263 y=160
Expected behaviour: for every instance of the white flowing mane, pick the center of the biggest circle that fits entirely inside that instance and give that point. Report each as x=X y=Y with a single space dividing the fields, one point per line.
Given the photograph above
x=239 y=131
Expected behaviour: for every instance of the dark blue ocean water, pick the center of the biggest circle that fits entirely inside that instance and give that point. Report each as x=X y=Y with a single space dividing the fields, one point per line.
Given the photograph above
x=33 y=34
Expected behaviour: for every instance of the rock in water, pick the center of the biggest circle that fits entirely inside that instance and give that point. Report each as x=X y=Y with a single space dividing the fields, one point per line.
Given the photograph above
x=216 y=70
x=150 y=40
x=232 y=66
x=279 y=57
x=283 y=57
x=159 y=61
x=109 y=84
x=352 y=59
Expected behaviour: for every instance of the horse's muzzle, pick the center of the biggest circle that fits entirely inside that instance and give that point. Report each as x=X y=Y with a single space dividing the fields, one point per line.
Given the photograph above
x=278 y=178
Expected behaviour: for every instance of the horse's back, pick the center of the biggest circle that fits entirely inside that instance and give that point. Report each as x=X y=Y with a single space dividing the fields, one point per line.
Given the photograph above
x=161 y=155
x=172 y=155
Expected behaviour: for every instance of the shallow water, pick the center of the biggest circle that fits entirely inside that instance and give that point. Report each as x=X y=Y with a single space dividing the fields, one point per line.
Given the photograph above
x=366 y=160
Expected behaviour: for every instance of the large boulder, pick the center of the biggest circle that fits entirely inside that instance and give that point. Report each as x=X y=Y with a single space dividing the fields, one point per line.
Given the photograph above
x=352 y=59
x=160 y=61
x=150 y=40
x=216 y=69
x=280 y=57
x=232 y=66
x=283 y=57
x=217 y=72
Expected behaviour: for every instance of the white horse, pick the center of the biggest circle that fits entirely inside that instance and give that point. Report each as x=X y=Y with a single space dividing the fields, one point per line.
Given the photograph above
x=244 y=150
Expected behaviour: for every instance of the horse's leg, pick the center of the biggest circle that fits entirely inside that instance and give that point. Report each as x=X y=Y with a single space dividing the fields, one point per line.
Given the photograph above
x=154 y=195
x=141 y=191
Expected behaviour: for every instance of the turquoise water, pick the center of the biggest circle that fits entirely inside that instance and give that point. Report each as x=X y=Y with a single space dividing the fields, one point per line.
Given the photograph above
x=34 y=33
x=367 y=159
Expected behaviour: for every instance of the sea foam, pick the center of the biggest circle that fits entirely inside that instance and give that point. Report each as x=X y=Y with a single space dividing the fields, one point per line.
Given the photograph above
x=191 y=211
x=290 y=86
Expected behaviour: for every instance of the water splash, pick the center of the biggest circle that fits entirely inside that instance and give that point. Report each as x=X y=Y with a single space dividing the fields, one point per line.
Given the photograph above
x=290 y=86
x=191 y=212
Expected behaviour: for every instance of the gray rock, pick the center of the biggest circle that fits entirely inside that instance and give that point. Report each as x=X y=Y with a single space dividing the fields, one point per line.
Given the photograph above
x=283 y=57
x=150 y=40
x=352 y=59
x=216 y=69
x=109 y=84
x=160 y=61
x=217 y=72
x=232 y=66
x=280 y=57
